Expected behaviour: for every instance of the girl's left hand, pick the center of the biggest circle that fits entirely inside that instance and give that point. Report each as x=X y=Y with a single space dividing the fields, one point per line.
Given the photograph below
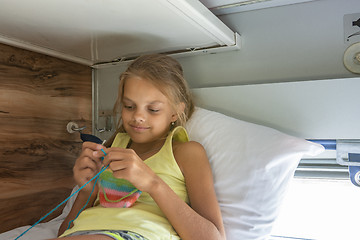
x=126 y=164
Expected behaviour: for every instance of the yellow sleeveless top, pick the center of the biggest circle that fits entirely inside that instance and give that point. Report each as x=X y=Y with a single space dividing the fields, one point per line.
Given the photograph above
x=144 y=217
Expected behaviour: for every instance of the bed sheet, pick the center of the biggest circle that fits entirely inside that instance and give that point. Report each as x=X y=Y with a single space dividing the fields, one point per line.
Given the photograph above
x=41 y=231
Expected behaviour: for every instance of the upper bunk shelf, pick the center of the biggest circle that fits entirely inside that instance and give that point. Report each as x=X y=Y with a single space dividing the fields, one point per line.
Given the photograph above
x=95 y=31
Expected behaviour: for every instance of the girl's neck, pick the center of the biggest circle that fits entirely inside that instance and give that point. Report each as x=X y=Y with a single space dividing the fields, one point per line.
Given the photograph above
x=146 y=150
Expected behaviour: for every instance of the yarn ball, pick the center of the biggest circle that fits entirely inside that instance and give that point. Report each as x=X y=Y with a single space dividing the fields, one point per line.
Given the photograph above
x=116 y=192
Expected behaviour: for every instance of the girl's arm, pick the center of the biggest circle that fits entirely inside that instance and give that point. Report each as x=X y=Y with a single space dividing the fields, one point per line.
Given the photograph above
x=79 y=203
x=203 y=219
x=86 y=166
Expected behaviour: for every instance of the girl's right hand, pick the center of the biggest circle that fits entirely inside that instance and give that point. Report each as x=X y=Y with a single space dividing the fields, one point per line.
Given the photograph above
x=87 y=165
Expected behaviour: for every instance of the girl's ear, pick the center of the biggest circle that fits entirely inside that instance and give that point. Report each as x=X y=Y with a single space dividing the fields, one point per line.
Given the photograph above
x=180 y=109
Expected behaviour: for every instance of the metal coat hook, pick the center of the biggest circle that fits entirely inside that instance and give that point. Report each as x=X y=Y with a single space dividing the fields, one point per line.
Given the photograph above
x=105 y=119
x=100 y=130
x=72 y=127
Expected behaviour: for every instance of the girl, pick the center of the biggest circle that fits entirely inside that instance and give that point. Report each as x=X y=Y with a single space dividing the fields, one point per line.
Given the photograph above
x=173 y=193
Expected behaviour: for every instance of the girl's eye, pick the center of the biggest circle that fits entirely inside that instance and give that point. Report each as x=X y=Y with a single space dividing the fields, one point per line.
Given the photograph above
x=153 y=110
x=128 y=107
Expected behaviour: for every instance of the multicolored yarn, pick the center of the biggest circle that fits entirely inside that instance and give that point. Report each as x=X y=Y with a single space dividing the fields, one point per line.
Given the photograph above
x=115 y=192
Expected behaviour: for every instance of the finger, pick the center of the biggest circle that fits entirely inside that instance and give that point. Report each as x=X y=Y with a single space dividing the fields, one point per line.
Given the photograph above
x=100 y=154
x=123 y=162
x=86 y=174
x=89 y=153
x=86 y=162
x=82 y=175
x=91 y=145
x=119 y=165
x=121 y=157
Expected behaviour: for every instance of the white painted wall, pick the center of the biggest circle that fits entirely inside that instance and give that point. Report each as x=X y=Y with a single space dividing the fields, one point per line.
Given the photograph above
x=288 y=43
x=327 y=109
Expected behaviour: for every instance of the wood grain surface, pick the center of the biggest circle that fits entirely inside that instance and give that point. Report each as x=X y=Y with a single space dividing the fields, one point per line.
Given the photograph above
x=39 y=95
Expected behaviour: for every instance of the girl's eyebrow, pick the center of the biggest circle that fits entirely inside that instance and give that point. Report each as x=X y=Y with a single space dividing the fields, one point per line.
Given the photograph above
x=156 y=102
x=153 y=102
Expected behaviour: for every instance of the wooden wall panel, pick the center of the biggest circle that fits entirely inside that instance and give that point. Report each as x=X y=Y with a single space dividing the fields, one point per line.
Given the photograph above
x=39 y=95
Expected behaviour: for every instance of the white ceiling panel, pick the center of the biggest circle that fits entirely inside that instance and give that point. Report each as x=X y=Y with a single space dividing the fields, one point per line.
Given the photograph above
x=97 y=31
x=221 y=7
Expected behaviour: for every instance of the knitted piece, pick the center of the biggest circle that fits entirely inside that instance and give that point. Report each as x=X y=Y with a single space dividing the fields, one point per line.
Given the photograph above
x=115 y=192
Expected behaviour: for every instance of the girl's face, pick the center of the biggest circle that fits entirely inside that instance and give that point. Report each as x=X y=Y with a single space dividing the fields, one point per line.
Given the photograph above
x=146 y=112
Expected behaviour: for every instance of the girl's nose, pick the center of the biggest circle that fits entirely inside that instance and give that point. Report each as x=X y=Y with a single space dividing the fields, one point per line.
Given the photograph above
x=139 y=116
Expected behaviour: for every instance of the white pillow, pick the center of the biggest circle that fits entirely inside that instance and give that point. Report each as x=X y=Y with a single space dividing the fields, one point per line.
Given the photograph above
x=252 y=166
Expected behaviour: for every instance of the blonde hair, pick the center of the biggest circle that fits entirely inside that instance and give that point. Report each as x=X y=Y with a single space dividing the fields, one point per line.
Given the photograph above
x=166 y=74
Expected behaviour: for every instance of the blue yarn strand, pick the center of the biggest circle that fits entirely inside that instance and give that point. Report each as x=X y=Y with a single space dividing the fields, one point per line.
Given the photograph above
x=67 y=199
x=88 y=200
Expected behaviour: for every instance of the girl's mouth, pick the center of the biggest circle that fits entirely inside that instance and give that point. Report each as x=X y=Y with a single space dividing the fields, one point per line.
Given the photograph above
x=139 y=128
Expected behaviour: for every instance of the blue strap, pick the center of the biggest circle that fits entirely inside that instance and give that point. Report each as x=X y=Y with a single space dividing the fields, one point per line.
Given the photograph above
x=329 y=144
x=354 y=171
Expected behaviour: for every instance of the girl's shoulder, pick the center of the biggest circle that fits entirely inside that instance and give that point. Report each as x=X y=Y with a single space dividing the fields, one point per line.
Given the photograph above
x=187 y=146
x=189 y=154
